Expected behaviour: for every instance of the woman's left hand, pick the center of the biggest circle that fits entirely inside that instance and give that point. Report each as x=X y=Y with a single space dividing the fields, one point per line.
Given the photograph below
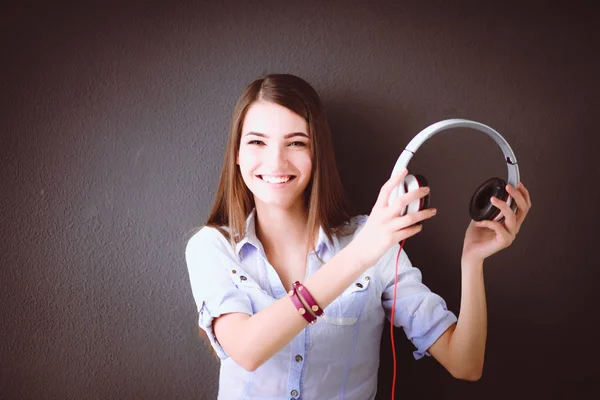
x=484 y=238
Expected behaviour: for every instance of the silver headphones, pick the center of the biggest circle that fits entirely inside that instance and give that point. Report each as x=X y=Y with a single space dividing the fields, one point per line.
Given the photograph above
x=480 y=207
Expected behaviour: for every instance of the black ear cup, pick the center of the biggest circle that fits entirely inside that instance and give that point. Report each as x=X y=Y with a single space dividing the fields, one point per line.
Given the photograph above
x=480 y=207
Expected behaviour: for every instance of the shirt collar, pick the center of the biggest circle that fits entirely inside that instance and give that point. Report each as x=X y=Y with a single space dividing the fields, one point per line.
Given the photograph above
x=323 y=241
x=250 y=237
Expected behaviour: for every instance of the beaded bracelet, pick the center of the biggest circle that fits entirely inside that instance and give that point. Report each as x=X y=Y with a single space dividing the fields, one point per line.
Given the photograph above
x=311 y=319
x=306 y=296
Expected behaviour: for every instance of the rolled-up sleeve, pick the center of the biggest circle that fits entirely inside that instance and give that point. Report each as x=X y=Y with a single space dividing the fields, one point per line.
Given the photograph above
x=422 y=314
x=210 y=260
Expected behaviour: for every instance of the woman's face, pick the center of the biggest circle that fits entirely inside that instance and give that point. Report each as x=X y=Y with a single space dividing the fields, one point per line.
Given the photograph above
x=275 y=156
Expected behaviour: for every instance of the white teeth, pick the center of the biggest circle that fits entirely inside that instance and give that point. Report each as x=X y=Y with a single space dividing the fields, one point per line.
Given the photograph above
x=273 y=179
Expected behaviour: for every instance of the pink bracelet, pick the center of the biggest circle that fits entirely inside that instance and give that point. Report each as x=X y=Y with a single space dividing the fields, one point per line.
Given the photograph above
x=305 y=294
x=311 y=319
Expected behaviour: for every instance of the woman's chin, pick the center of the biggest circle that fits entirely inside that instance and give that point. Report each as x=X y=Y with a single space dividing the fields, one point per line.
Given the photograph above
x=276 y=202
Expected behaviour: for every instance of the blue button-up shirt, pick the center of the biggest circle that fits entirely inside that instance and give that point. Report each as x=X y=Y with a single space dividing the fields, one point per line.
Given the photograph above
x=336 y=358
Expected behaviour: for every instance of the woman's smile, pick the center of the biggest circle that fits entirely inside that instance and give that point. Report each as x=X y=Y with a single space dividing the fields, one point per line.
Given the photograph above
x=279 y=180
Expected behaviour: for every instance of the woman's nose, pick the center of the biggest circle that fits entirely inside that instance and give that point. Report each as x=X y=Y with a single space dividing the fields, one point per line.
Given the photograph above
x=276 y=155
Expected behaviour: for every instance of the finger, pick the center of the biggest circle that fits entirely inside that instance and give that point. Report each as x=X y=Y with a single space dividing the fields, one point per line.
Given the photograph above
x=510 y=219
x=411 y=219
x=386 y=189
x=403 y=201
x=498 y=228
x=525 y=192
x=522 y=204
x=408 y=232
x=519 y=197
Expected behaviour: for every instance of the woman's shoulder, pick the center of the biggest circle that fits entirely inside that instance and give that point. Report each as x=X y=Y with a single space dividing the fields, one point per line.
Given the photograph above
x=208 y=236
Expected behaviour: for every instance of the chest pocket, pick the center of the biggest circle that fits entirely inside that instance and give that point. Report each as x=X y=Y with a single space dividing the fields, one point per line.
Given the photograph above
x=346 y=309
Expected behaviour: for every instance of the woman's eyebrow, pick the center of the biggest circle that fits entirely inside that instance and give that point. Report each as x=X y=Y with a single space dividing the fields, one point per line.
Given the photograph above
x=287 y=136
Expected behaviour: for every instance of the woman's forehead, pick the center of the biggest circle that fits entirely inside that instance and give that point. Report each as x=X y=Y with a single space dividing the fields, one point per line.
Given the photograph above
x=272 y=120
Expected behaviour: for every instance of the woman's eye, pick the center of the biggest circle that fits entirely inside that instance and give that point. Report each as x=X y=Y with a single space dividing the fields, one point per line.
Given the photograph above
x=261 y=143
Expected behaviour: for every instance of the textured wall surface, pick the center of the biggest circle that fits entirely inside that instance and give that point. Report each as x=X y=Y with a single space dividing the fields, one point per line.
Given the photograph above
x=113 y=126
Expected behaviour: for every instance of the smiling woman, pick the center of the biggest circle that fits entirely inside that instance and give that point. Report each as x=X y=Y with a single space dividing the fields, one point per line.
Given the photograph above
x=279 y=127
x=277 y=168
x=292 y=290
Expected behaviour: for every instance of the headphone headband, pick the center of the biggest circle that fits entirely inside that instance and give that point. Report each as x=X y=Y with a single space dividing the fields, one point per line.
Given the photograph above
x=425 y=134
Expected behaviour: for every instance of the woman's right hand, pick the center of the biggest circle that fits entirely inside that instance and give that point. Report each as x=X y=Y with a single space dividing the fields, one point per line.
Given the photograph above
x=385 y=225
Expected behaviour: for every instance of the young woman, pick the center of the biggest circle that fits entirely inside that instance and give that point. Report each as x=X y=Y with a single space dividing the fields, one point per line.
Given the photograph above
x=280 y=217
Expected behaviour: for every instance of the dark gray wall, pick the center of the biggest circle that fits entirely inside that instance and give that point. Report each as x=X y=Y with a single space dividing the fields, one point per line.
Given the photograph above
x=114 y=121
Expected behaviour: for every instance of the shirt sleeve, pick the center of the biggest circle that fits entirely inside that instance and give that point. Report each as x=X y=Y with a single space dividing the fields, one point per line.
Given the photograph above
x=210 y=260
x=421 y=313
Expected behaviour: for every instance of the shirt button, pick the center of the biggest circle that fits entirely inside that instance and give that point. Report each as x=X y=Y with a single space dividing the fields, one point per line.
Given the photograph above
x=298 y=358
x=243 y=278
x=367 y=278
x=359 y=285
x=233 y=271
x=294 y=393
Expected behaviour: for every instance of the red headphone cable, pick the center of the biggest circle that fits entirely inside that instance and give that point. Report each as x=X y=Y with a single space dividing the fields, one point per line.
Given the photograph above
x=392 y=319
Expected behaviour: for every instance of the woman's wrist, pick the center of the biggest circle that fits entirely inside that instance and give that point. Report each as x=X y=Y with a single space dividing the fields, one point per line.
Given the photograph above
x=471 y=264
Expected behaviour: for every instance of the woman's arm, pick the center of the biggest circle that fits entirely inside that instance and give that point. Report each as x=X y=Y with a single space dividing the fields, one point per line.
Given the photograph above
x=461 y=348
x=269 y=330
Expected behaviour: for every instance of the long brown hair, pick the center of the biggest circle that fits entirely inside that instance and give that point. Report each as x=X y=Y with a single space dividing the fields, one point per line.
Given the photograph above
x=324 y=196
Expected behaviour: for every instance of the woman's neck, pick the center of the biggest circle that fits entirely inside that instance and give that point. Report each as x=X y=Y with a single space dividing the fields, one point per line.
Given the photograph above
x=282 y=228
